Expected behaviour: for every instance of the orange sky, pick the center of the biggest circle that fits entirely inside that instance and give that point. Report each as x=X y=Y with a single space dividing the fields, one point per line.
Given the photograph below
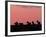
x=24 y=14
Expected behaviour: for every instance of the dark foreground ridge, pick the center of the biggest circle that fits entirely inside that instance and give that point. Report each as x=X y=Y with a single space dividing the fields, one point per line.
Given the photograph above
x=28 y=27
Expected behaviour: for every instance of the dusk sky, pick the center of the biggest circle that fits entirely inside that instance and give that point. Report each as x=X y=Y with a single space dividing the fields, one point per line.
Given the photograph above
x=22 y=14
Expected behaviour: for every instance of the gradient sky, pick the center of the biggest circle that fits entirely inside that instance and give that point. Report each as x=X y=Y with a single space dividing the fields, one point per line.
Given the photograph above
x=24 y=13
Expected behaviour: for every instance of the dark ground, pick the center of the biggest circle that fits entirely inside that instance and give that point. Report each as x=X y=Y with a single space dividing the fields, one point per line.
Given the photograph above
x=28 y=27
